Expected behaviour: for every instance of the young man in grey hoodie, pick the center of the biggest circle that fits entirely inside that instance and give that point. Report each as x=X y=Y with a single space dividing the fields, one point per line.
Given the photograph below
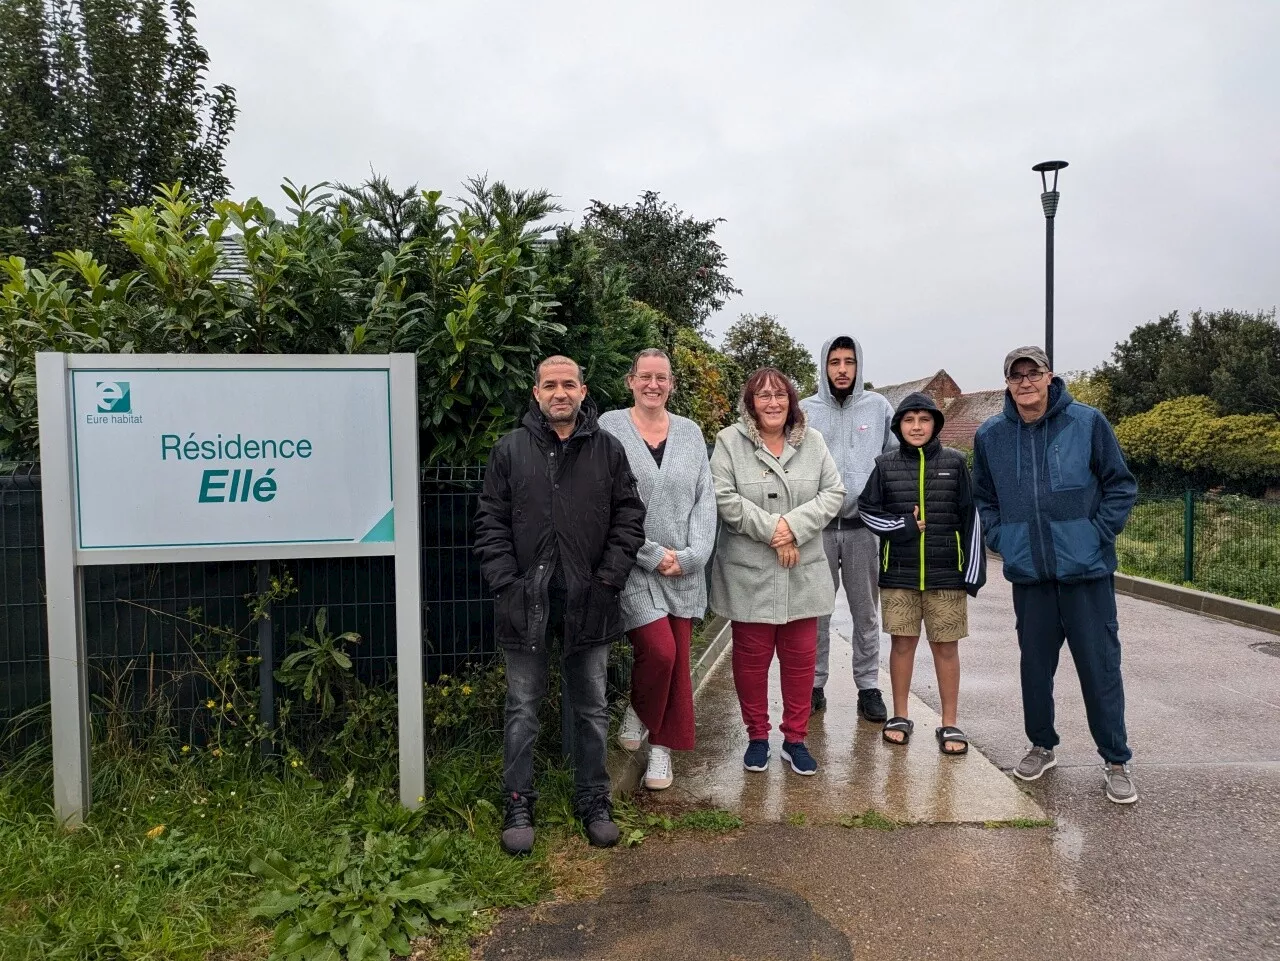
x=856 y=426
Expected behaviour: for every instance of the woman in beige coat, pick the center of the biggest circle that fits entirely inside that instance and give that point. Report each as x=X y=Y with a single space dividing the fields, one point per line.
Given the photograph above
x=777 y=487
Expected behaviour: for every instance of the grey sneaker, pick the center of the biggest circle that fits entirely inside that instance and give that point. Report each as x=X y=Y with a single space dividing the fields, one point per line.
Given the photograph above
x=517 y=825
x=1120 y=786
x=1037 y=761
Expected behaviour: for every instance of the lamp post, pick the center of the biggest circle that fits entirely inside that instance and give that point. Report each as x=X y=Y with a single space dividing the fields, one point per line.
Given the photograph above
x=1049 y=201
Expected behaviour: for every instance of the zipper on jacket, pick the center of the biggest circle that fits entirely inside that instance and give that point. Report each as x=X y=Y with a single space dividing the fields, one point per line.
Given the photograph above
x=922 y=517
x=886 y=556
x=1035 y=497
x=959 y=554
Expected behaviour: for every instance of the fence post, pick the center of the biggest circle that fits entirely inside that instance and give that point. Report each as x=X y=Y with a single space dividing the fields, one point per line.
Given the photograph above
x=1189 y=536
x=266 y=666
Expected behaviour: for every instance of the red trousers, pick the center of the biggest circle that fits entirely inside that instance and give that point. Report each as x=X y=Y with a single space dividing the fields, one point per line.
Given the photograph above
x=661 y=688
x=797 y=647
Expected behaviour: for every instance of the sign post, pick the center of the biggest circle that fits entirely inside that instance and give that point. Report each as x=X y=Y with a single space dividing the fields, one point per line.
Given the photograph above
x=172 y=458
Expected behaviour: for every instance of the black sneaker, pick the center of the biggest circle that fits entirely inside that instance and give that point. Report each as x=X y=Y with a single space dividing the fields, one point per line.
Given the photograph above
x=597 y=818
x=818 y=702
x=871 y=706
x=517 y=826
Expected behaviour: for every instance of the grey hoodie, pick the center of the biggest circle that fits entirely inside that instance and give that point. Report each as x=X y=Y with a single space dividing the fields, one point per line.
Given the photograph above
x=857 y=431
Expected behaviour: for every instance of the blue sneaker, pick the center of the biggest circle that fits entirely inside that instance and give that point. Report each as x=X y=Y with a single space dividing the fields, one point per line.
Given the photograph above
x=757 y=756
x=798 y=756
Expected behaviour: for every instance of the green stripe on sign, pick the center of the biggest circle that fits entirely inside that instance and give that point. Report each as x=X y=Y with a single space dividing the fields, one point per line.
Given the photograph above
x=383 y=531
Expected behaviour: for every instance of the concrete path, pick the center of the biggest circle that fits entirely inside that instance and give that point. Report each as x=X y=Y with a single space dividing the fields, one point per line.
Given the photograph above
x=857 y=770
x=1192 y=871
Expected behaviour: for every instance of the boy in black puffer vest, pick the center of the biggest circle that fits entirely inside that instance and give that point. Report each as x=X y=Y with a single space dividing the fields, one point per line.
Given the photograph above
x=920 y=502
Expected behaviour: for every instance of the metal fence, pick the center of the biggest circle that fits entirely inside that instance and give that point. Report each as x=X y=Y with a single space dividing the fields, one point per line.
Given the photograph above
x=143 y=622
x=1224 y=544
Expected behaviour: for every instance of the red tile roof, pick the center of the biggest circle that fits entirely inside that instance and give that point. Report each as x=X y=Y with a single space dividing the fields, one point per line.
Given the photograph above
x=967 y=413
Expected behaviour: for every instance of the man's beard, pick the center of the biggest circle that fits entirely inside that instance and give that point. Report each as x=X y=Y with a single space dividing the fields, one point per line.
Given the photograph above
x=565 y=417
x=839 y=393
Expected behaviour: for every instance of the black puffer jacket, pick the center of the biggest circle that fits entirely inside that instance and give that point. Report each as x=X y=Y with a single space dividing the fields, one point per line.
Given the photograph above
x=578 y=502
x=949 y=555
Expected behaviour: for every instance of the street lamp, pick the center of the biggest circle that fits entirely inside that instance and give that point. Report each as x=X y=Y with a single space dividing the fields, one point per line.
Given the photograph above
x=1049 y=201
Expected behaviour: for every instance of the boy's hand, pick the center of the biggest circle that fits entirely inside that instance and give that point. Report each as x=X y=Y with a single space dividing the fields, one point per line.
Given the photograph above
x=915 y=511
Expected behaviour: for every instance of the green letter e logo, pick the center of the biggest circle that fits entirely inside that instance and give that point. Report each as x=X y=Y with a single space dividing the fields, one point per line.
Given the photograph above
x=113 y=397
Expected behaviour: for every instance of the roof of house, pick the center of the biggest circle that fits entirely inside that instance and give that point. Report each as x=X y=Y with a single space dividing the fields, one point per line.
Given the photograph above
x=967 y=413
x=897 y=393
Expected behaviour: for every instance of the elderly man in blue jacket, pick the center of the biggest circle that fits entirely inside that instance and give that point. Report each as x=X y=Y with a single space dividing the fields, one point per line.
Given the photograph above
x=1054 y=493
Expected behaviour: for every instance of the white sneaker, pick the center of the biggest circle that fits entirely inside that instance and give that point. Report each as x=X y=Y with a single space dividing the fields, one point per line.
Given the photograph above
x=658 y=776
x=633 y=731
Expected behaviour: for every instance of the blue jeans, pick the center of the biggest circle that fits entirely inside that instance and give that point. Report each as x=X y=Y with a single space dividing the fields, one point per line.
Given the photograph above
x=582 y=682
x=1083 y=613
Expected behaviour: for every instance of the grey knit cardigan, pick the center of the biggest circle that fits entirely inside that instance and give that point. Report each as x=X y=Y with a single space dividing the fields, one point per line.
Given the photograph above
x=680 y=514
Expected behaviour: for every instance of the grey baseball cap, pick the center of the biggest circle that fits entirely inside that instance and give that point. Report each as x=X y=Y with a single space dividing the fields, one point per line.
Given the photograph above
x=1034 y=354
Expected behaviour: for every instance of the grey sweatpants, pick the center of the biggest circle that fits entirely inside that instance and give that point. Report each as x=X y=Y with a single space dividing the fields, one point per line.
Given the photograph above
x=854 y=558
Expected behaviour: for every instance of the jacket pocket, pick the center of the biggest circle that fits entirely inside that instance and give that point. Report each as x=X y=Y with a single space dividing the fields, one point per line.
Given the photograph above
x=511 y=612
x=1015 y=549
x=1068 y=456
x=1077 y=549
x=600 y=619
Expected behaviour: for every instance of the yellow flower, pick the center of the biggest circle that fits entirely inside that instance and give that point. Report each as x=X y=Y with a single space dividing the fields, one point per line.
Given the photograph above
x=466 y=688
x=294 y=763
x=217 y=752
x=210 y=704
x=186 y=749
x=156 y=831
x=227 y=706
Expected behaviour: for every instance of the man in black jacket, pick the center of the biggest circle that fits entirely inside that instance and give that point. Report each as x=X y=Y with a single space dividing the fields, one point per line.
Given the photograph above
x=558 y=529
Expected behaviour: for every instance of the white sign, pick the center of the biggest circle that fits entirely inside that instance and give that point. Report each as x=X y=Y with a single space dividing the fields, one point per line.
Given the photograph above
x=158 y=458
x=200 y=457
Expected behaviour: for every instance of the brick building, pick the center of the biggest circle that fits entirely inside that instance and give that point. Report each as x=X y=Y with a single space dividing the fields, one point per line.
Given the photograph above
x=964 y=413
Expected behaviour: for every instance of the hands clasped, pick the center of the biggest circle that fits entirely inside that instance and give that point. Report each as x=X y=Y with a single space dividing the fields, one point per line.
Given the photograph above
x=784 y=542
x=669 y=566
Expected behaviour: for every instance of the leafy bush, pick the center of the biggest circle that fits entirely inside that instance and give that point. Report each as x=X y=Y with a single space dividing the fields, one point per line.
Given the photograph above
x=365 y=902
x=1188 y=435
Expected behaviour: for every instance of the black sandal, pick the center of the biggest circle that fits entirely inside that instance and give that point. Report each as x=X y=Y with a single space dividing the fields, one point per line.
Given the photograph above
x=945 y=734
x=902 y=724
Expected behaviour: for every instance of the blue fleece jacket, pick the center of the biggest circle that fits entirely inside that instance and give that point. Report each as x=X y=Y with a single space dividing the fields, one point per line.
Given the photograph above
x=1054 y=494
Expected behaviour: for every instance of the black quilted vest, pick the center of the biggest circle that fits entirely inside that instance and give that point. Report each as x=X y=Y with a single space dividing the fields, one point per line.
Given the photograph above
x=939 y=472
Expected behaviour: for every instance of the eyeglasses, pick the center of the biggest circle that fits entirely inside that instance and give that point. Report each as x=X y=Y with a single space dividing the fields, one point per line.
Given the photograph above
x=1035 y=376
x=769 y=396
x=660 y=379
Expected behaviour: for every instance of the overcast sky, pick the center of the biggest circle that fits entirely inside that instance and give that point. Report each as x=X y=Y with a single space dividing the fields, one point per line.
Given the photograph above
x=871 y=160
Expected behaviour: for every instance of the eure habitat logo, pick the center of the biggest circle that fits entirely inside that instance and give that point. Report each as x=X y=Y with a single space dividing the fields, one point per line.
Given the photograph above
x=113 y=397
x=114 y=404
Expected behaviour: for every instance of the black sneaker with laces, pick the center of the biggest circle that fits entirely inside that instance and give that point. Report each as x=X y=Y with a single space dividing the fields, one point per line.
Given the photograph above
x=596 y=814
x=517 y=825
x=818 y=701
x=871 y=705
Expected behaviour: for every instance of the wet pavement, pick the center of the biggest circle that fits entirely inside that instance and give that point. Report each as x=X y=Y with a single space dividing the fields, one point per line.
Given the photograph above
x=857 y=770
x=1192 y=871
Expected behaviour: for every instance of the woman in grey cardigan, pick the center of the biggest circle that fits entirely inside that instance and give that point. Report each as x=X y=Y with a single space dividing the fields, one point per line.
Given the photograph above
x=667 y=587
x=777 y=487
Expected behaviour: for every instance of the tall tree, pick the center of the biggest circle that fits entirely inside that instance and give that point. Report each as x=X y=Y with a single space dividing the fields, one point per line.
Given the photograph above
x=672 y=261
x=759 y=340
x=604 y=327
x=100 y=102
x=1230 y=356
